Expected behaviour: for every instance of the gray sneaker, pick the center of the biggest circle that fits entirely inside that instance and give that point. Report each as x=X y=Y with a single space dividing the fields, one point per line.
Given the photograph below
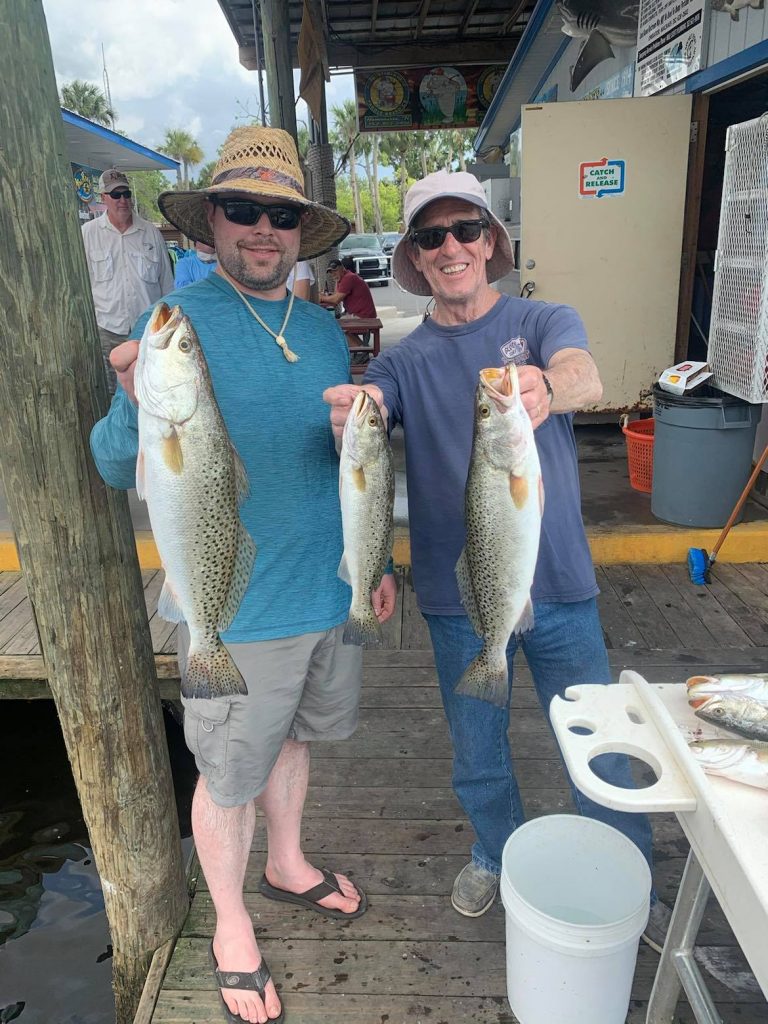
x=474 y=890
x=656 y=930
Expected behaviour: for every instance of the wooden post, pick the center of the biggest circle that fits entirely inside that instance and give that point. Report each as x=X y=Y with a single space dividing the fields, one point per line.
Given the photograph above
x=275 y=30
x=74 y=535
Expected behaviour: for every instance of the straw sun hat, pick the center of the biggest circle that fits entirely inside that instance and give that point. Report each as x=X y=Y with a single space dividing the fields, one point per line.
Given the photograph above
x=261 y=162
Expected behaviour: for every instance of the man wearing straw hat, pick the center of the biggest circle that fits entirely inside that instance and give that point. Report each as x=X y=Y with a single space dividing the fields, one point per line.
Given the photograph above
x=453 y=250
x=270 y=357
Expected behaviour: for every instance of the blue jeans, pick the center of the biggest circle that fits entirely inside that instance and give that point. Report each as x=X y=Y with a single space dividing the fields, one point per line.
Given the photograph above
x=565 y=647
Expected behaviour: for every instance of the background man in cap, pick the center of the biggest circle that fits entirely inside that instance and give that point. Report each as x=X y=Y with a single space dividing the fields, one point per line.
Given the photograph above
x=128 y=263
x=351 y=290
x=453 y=249
x=270 y=357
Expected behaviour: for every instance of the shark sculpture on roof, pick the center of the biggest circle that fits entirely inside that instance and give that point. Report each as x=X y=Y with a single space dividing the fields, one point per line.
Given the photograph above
x=602 y=24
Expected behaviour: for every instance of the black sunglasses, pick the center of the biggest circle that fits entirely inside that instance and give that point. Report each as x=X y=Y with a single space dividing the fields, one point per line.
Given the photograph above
x=248 y=213
x=462 y=230
x=120 y=193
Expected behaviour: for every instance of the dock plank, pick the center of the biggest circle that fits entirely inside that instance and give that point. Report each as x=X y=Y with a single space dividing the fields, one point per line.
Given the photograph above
x=655 y=629
x=619 y=629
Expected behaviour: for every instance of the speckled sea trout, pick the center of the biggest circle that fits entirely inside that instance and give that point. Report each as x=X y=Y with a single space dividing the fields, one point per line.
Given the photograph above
x=754 y=685
x=367 y=494
x=503 y=506
x=733 y=759
x=741 y=715
x=192 y=480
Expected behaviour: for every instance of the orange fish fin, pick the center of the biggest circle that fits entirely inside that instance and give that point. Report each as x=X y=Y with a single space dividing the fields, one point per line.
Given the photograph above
x=358 y=477
x=518 y=488
x=173 y=456
x=140 y=484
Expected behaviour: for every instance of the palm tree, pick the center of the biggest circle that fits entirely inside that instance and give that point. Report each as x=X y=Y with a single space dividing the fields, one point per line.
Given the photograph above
x=88 y=101
x=182 y=147
x=343 y=137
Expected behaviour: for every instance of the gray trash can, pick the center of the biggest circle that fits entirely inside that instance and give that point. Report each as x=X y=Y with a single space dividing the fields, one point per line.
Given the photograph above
x=702 y=455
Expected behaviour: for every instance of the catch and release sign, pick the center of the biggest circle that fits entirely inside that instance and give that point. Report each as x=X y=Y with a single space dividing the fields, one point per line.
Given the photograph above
x=435 y=96
x=600 y=178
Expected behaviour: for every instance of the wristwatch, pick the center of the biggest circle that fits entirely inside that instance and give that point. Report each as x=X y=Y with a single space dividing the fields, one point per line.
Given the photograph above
x=548 y=386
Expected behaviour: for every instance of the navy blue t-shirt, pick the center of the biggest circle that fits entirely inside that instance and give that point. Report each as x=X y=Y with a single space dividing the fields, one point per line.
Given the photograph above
x=429 y=383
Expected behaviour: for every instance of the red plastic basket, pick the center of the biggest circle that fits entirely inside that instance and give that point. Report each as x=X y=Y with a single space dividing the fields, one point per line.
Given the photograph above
x=639 y=435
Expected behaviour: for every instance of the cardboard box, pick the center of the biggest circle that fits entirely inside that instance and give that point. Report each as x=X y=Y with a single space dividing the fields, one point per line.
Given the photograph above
x=684 y=377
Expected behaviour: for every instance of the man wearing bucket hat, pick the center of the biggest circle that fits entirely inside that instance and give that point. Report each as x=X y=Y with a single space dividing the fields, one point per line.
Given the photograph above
x=270 y=356
x=453 y=249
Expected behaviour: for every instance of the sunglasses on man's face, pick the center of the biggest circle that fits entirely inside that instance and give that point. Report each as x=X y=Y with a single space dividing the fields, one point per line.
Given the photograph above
x=120 y=193
x=462 y=230
x=248 y=213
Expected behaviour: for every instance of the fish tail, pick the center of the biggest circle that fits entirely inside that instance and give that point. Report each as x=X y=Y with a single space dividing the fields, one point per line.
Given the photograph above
x=363 y=628
x=211 y=672
x=486 y=678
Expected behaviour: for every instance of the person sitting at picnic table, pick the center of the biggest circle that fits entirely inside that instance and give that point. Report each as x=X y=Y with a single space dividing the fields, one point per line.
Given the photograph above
x=354 y=293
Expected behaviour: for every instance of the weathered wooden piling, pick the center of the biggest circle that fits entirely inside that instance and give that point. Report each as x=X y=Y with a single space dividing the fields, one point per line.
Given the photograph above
x=74 y=535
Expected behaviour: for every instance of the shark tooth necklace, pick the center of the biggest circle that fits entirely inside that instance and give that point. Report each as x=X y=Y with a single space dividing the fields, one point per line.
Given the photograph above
x=277 y=335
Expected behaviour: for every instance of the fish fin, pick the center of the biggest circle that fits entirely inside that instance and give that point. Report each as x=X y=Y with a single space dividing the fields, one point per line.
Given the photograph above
x=173 y=456
x=140 y=484
x=242 y=487
x=518 y=488
x=467 y=592
x=363 y=628
x=525 y=622
x=211 y=673
x=168 y=606
x=343 y=571
x=486 y=678
x=541 y=496
x=241 y=575
x=358 y=478
x=594 y=51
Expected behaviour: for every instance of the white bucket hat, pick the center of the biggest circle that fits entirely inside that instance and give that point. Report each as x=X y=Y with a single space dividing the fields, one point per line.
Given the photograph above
x=447 y=185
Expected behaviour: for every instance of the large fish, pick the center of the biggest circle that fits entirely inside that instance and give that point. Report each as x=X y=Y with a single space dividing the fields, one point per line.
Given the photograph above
x=602 y=24
x=733 y=759
x=192 y=481
x=503 y=506
x=754 y=685
x=367 y=494
x=738 y=714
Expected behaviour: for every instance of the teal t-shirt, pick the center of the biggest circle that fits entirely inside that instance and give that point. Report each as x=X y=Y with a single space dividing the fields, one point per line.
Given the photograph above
x=280 y=426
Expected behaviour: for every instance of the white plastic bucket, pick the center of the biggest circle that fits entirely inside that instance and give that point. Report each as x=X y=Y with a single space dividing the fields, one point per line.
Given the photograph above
x=576 y=895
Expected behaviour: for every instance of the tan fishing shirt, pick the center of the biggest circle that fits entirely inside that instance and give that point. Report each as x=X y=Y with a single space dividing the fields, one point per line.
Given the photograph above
x=129 y=271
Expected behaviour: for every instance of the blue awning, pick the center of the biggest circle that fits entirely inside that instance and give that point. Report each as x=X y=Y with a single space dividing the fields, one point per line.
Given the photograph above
x=93 y=145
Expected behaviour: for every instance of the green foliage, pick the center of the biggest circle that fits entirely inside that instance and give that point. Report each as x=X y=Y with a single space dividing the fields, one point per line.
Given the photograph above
x=203 y=180
x=87 y=100
x=182 y=147
x=146 y=187
x=389 y=202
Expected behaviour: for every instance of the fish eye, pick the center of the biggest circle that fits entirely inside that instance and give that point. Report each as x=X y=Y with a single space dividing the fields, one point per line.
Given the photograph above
x=371 y=421
x=485 y=411
x=185 y=345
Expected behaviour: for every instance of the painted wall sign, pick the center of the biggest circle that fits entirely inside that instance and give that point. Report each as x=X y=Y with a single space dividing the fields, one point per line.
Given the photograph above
x=669 y=43
x=599 y=178
x=437 y=96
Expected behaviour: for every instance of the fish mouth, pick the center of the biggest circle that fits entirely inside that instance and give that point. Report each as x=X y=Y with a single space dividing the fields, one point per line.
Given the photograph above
x=698 y=702
x=163 y=324
x=359 y=404
x=501 y=385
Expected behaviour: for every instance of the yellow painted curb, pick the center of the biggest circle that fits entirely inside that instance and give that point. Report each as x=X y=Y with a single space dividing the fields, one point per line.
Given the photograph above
x=747 y=542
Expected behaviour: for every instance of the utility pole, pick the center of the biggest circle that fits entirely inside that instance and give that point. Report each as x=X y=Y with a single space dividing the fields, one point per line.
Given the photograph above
x=74 y=534
x=275 y=30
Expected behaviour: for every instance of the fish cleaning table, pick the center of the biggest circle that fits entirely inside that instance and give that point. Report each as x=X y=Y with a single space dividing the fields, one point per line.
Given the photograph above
x=725 y=822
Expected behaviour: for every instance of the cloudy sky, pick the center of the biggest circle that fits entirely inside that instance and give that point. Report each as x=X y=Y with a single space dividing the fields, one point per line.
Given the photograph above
x=171 y=64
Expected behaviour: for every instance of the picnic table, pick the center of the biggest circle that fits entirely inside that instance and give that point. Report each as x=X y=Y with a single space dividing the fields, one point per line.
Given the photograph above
x=356 y=327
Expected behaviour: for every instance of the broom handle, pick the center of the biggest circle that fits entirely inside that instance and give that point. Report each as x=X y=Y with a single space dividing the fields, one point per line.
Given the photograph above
x=739 y=504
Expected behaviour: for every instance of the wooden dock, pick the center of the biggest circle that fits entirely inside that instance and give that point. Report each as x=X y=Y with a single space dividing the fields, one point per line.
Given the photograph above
x=380 y=807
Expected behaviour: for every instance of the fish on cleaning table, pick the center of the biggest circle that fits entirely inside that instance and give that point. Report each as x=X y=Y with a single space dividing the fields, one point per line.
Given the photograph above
x=192 y=480
x=733 y=759
x=503 y=506
x=754 y=685
x=367 y=495
x=738 y=714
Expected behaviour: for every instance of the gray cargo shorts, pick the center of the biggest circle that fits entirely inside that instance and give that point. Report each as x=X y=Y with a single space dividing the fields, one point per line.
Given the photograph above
x=299 y=687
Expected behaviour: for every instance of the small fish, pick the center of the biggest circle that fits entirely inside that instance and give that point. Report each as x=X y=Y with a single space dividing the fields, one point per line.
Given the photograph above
x=754 y=685
x=733 y=7
x=192 y=481
x=733 y=759
x=602 y=24
x=741 y=715
x=503 y=506
x=367 y=495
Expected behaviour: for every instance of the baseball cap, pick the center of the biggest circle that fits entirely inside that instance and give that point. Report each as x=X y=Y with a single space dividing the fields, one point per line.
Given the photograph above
x=112 y=178
x=334 y=264
x=447 y=185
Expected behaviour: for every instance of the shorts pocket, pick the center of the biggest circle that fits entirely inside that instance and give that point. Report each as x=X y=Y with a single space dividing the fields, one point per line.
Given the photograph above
x=206 y=731
x=102 y=267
